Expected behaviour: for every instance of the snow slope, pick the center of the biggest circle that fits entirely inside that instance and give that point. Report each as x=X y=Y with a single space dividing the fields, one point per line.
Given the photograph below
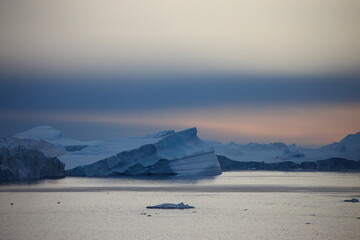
x=52 y=135
x=171 y=153
x=102 y=150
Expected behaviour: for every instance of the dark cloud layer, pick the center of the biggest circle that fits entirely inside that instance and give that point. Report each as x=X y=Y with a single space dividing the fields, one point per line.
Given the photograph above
x=175 y=92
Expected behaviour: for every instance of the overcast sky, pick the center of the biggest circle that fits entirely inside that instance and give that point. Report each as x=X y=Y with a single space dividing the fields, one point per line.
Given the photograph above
x=244 y=70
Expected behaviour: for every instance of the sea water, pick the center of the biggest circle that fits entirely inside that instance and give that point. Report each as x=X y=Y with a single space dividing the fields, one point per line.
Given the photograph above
x=234 y=205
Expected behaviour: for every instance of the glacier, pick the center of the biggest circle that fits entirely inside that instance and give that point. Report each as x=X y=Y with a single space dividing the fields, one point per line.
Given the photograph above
x=168 y=152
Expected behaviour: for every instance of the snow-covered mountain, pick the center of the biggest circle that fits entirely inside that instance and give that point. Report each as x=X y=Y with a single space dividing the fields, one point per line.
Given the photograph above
x=347 y=148
x=351 y=141
x=181 y=153
x=54 y=136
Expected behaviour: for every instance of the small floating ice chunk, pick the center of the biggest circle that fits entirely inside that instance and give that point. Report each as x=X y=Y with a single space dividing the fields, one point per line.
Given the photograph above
x=171 y=206
x=352 y=200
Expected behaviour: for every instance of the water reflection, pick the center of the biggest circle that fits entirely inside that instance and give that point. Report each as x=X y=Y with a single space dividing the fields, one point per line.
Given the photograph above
x=245 y=179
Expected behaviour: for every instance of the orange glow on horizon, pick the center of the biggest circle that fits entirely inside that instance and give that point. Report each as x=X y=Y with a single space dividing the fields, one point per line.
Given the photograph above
x=316 y=125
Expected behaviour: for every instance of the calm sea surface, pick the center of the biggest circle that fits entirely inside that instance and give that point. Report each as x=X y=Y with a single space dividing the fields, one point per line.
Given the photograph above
x=234 y=205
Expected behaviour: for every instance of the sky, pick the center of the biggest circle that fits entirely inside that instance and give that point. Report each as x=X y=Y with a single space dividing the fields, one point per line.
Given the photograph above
x=244 y=71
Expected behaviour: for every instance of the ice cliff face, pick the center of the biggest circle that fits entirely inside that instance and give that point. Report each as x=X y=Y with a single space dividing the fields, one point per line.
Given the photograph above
x=22 y=163
x=171 y=153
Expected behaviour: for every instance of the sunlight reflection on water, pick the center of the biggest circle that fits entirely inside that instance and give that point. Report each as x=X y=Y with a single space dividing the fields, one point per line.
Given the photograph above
x=109 y=209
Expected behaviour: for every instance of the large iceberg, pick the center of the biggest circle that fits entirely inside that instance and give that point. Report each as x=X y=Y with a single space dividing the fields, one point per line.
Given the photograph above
x=181 y=153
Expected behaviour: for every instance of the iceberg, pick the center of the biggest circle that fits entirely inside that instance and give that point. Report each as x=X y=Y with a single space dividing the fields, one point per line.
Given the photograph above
x=21 y=163
x=348 y=148
x=331 y=164
x=49 y=149
x=170 y=206
x=254 y=152
x=290 y=154
x=180 y=153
